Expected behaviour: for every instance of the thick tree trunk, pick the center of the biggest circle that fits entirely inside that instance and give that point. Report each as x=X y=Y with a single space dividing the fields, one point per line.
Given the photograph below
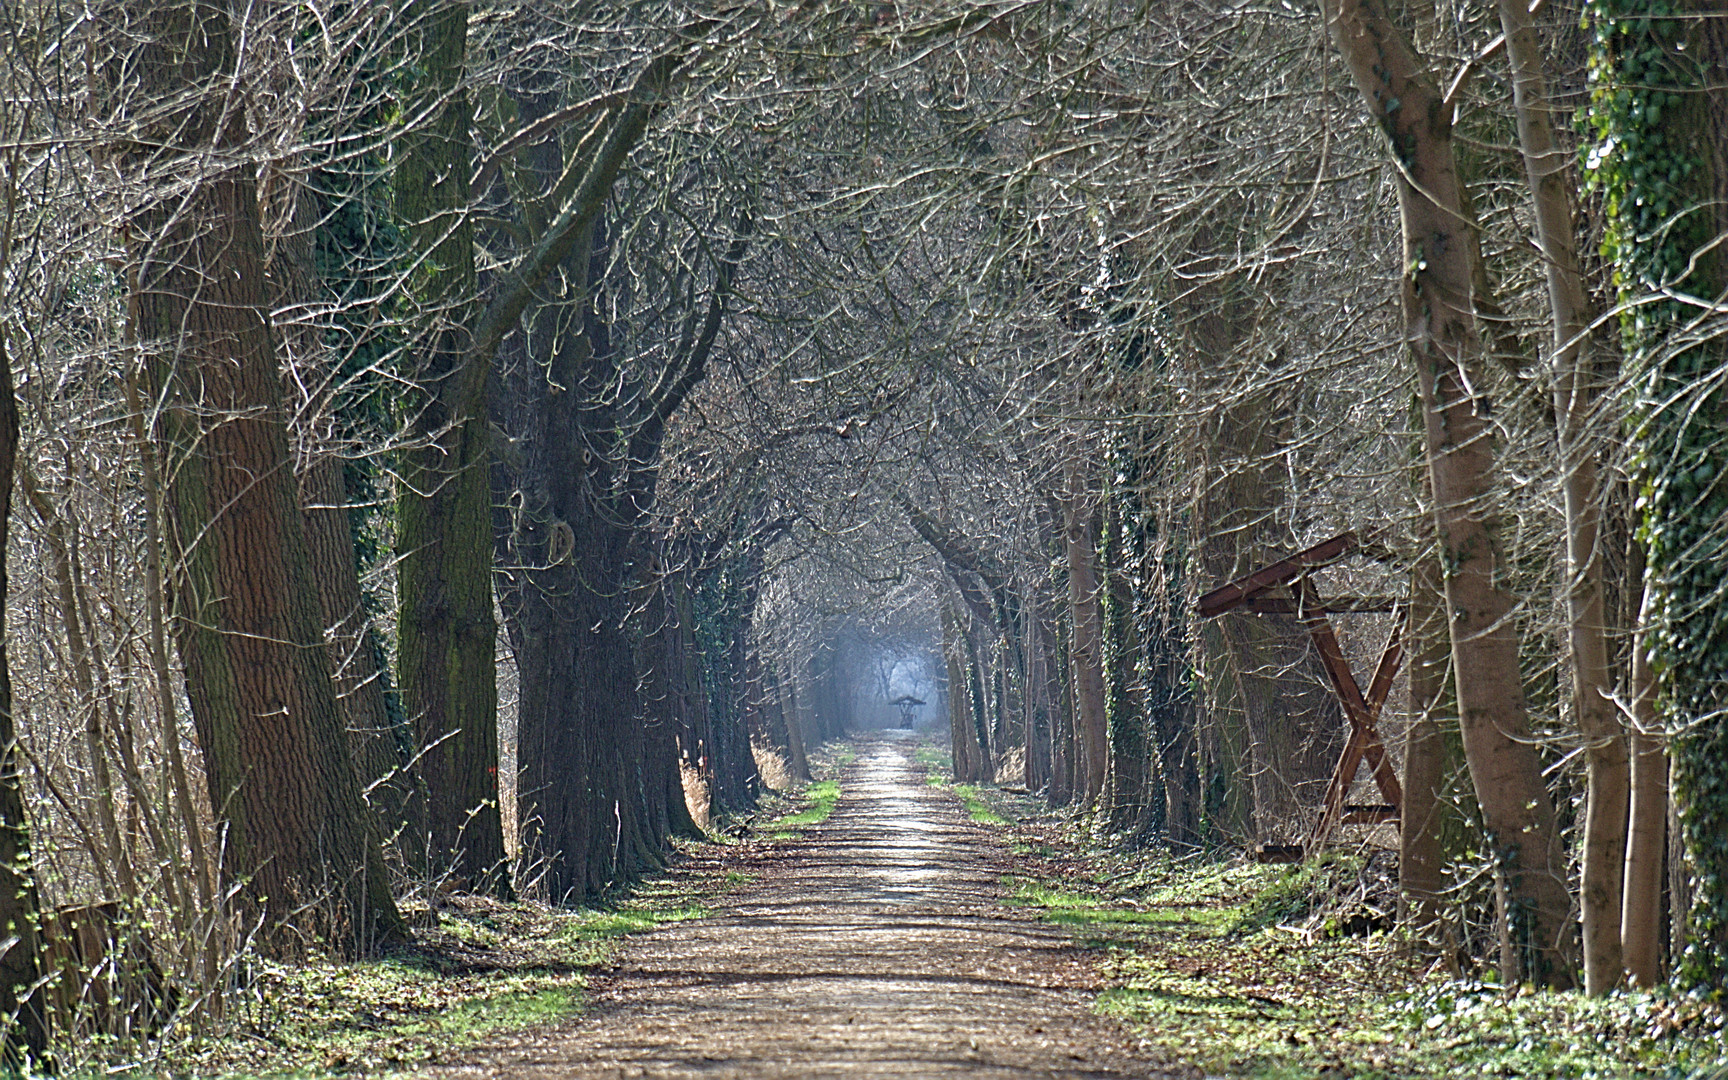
x=1659 y=107
x=979 y=706
x=584 y=817
x=1536 y=926
x=249 y=629
x=724 y=626
x=362 y=680
x=1431 y=829
x=446 y=636
x=790 y=699
x=584 y=802
x=1275 y=709
x=27 y=1037
x=1040 y=702
x=964 y=754
x=1171 y=710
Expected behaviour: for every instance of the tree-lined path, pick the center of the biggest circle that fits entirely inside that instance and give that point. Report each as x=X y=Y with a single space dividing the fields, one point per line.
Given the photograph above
x=874 y=945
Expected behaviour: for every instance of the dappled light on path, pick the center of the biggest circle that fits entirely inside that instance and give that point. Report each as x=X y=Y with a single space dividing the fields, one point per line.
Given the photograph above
x=873 y=945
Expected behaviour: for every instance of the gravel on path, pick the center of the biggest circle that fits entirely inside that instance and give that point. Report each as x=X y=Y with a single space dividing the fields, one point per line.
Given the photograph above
x=874 y=945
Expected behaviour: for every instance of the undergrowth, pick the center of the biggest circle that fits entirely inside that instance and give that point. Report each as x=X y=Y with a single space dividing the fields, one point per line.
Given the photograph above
x=938 y=768
x=483 y=968
x=814 y=800
x=1276 y=972
x=819 y=798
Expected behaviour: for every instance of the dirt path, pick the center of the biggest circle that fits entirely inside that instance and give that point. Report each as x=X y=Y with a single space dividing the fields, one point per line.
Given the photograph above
x=873 y=946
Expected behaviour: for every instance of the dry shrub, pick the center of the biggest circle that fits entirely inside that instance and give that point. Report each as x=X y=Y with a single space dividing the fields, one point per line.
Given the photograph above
x=696 y=794
x=771 y=766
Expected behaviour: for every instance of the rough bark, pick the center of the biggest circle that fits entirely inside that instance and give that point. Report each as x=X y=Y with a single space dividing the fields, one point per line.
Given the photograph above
x=568 y=555
x=1171 y=715
x=446 y=635
x=249 y=630
x=965 y=757
x=1130 y=752
x=978 y=707
x=799 y=759
x=1537 y=932
x=1659 y=107
x=1431 y=829
x=362 y=681
x=387 y=782
x=1276 y=689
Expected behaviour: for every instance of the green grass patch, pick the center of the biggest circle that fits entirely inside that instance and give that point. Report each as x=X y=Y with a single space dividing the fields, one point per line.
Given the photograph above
x=820 y=798
x=977 y=806
x=1100 y=913
x=934 y=758
x=1297 y=891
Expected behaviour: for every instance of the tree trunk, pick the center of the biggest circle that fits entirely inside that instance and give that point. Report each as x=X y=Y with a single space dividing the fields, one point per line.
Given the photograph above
x=800 y=761
x=1086 y=652
x=1172 y=721
x=1431 y=828
x=1659 y=107
x=362 y=680
x=249 y=629
x=27 y=1037
x=386 y=780
x=446 y=636
x=1548 y=170
x=1036 y=692
x=979 y=709
x=569 y=596
x=1646 y=834
x=1130 y=755
x=965 y=756
x=1537 y=933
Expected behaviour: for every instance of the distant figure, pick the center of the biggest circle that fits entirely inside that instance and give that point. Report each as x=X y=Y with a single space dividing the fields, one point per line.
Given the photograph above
x=908 y=706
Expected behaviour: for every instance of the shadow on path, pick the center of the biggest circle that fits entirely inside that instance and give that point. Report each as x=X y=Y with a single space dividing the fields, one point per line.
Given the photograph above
x=873 y=946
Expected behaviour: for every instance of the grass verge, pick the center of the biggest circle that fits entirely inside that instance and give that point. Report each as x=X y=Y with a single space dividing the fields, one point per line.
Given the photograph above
x=1249 y=971
x=486 y=967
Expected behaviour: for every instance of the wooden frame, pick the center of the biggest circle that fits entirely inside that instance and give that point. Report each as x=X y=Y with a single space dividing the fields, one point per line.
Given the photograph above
x=1258 y=593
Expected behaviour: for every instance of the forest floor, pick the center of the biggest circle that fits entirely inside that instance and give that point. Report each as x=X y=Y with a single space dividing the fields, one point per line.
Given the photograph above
x=874 y=942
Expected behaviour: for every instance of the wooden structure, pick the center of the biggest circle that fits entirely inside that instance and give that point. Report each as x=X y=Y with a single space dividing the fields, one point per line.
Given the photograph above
x=908 y=706
x=1285 y=588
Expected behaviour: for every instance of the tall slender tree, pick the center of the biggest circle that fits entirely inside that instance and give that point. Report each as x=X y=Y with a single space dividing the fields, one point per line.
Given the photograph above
x=1439 y=318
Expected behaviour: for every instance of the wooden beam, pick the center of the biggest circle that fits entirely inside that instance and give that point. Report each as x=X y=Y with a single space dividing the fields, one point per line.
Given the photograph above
x=1337 y=605
x=1363 y=712
x=1282 y=572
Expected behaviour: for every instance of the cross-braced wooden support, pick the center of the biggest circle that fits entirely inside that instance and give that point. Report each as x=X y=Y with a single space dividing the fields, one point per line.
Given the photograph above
x=1259 y=593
